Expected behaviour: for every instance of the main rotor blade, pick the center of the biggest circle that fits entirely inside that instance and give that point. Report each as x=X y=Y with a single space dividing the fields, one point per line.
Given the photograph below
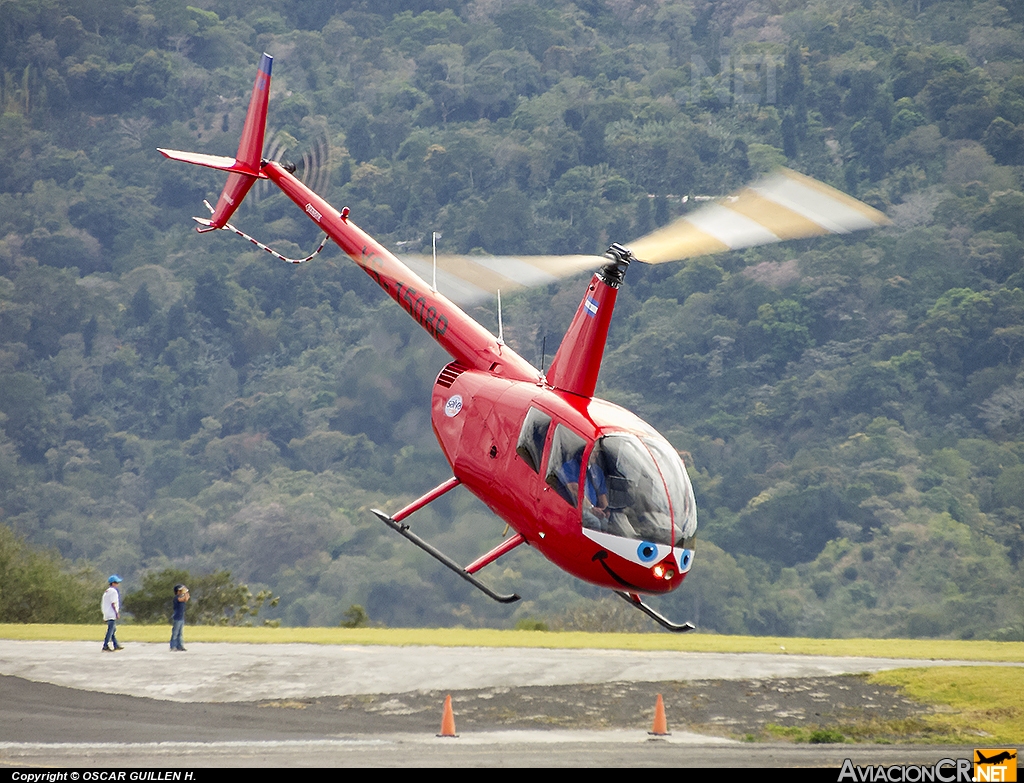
x=471 y=279
x=783 y=205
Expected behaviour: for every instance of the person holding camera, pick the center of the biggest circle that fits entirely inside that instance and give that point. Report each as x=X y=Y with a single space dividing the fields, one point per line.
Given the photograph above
x=181 y=597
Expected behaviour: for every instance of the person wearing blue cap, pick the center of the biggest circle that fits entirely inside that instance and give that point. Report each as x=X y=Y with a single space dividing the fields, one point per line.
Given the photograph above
x=111 y=605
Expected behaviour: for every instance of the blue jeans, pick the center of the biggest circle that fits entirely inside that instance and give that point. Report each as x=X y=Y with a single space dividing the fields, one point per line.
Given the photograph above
x=176 y=629
x=111 y=640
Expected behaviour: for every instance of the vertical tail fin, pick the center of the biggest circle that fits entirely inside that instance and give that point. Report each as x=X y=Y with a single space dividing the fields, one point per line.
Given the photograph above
x=244 y=169
x=578 y=361
x=250 y=147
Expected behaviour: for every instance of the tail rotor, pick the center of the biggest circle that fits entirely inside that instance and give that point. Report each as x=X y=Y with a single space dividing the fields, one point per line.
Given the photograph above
x=312 y=160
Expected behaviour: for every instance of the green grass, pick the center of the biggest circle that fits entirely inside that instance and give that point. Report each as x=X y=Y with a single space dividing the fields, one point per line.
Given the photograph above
x=974 y=704
x=922 y=649
x=971 y=705
x=812 y=735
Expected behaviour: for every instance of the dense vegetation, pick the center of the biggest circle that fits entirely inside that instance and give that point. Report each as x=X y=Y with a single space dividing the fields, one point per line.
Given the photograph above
x=215 y=599
x=39 y=587
x=853 y=409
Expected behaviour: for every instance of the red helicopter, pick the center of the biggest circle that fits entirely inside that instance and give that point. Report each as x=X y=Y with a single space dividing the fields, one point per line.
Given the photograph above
x=587 y=483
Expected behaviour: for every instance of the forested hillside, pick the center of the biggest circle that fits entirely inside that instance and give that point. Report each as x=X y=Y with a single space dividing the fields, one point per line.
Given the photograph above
x=852 y=408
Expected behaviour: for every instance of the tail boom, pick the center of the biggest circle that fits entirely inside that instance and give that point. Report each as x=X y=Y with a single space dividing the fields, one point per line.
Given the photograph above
x=462 y=337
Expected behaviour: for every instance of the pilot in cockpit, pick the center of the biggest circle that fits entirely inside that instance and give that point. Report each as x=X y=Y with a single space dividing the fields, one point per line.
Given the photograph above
x=595 y=490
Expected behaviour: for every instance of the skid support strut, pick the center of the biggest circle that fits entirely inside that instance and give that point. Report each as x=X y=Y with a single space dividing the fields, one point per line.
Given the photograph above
x=395 y=523
x=634 y=600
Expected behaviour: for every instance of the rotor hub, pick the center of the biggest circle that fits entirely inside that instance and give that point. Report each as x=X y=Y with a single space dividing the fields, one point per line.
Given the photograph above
x=614 y=272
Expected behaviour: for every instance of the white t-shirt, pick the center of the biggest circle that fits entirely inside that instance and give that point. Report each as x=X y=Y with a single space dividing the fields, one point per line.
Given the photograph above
x=111 y=603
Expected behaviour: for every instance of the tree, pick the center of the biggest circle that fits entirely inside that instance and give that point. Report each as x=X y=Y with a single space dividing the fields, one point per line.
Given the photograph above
x=39 y=587
x=27 y=416
x=868 y=138
x=1004 y=141
x=783 y=328
x=355 y=617
x=216 y=599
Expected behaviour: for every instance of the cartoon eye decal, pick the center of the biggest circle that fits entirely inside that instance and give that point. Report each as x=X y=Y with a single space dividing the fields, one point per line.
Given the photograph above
x=647 y=552
x=686 y=559
x=641 y=553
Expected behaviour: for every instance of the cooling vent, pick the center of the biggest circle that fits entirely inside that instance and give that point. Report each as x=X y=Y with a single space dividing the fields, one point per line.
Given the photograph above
x=449 y=374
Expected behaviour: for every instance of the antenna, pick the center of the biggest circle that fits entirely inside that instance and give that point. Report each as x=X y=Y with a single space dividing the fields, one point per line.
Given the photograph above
x=433 y=241
x=501 y=330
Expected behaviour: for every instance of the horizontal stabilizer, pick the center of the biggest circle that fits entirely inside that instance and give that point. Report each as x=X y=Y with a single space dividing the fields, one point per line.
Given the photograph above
x=219 y=162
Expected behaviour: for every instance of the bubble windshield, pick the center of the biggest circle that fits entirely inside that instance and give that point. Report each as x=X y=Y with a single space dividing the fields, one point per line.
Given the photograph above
x=638 y=488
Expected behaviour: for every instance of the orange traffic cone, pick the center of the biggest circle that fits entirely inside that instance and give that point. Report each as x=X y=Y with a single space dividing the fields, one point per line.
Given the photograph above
x=660 y=727
x=448 y=719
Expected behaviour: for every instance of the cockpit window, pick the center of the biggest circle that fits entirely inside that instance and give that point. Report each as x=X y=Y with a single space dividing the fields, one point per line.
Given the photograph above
x=648 y=494
x=565 y=463
x=680 y=491
x=531 y=438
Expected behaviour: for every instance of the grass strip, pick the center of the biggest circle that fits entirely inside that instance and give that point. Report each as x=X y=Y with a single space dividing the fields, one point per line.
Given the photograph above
x=920 y=649
x=974 y=705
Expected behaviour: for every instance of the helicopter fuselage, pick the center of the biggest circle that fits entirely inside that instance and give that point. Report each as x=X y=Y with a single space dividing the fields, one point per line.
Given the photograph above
x=587 y=483
x=479 y=421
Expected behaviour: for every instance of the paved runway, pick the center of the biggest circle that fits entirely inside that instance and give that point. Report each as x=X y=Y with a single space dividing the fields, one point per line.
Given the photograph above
x=247 y=672
x=67 y=704
x=511 y=749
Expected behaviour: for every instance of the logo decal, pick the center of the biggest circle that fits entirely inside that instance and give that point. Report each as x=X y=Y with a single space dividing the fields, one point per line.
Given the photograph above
x=453 y=406
x=995 y=764
x=590 y=305
x=314 y=212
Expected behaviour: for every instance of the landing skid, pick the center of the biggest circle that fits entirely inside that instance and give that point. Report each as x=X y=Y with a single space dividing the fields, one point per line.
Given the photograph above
x=634 y=600
x=442 y=558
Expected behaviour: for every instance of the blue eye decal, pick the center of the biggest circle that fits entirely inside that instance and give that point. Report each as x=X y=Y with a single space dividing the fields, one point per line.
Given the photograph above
x=686 y=559
x=647 y=552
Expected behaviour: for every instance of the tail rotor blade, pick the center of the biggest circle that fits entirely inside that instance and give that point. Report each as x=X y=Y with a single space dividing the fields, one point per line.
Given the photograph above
x=312 y=165
x=316 y=165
